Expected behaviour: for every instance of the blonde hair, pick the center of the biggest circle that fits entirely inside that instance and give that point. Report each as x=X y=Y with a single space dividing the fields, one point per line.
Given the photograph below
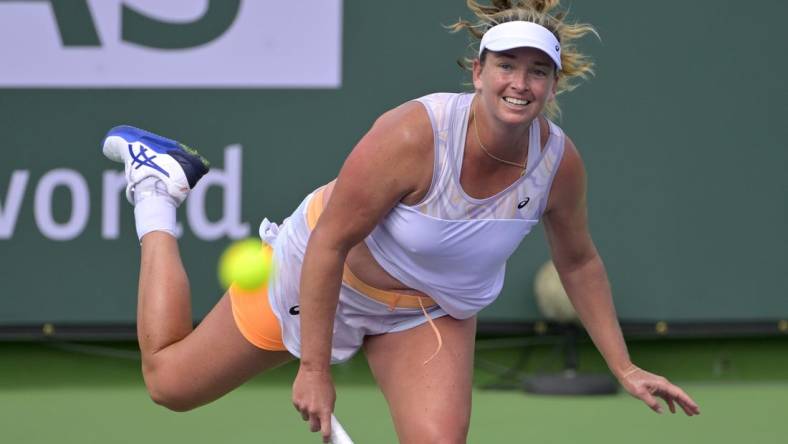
x=574 y=64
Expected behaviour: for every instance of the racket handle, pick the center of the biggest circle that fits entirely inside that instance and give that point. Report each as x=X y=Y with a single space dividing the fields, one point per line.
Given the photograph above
x=338 y=433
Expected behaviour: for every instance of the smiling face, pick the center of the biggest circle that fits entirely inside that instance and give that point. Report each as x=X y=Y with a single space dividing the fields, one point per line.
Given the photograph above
x=515 y=85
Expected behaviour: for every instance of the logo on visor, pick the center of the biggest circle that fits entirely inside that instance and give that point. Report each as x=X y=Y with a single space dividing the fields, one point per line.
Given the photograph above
x=295 y=310
x=557 y=48
x=523 y=203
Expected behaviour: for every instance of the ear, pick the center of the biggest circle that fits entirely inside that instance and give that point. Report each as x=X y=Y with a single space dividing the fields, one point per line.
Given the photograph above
x=555 y=87
x=477 y=72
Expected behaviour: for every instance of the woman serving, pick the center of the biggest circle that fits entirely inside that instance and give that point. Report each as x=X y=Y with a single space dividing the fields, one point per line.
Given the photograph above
x=401 y=251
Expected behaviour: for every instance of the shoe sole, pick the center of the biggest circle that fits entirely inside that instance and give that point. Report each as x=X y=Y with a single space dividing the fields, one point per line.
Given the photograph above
x=130 y=134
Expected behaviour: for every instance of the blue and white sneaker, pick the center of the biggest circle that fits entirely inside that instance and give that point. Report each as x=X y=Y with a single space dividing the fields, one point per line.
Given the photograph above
x=145 y=154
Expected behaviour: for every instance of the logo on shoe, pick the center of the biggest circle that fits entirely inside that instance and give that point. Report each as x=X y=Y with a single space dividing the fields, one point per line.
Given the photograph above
x=295 y=310
x=143 y=159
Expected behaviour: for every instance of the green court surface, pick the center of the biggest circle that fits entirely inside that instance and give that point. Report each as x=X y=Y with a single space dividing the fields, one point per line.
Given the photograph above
x=93 y=393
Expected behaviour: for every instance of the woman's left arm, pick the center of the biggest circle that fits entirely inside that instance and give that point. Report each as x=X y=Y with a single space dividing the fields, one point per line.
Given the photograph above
x=585 y=281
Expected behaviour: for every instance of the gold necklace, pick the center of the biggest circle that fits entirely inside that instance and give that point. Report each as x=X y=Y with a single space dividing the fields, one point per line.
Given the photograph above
x=479 y=141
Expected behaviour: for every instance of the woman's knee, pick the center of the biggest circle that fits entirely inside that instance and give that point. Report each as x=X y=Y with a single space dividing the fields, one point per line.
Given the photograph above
x=432 y=430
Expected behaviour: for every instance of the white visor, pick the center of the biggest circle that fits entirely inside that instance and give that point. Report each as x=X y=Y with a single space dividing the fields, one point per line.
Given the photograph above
x=522 y=35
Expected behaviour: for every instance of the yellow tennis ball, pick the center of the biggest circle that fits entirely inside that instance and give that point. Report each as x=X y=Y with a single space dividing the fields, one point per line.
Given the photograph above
x=246 y=263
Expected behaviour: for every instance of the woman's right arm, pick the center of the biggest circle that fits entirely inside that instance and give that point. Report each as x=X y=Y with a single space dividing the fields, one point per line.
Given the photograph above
x=390 y=162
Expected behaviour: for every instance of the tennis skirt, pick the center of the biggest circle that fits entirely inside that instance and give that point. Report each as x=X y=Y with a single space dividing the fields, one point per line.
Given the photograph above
x=270 y=317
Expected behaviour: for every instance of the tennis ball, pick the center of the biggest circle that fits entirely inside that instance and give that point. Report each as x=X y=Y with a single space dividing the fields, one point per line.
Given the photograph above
x=551 y=298
x=246 y=263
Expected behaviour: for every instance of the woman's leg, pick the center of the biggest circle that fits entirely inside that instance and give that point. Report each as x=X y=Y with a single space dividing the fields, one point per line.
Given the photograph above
x=184 y=367
x=430 y=402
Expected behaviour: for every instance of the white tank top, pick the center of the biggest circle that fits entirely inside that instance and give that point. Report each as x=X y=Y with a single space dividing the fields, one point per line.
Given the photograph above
x=452 y=246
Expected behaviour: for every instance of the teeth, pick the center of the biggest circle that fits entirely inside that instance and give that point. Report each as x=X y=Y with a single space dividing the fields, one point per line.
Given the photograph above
x=514 y=101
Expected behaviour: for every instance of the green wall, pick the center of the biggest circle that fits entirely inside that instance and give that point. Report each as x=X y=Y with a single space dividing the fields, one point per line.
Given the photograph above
x=682 y=131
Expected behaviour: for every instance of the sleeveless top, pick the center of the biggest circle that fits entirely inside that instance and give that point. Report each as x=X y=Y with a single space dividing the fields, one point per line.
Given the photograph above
x=452 y=246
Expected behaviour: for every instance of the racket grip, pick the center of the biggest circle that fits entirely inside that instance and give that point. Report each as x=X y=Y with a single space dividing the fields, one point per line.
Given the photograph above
x=338 y=433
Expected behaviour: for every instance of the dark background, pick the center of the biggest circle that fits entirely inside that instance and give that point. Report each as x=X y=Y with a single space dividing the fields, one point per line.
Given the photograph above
x=682 y=131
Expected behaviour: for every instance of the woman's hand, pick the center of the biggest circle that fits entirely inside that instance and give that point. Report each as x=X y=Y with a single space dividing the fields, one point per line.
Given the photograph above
x=314 y=396
x=645 y=386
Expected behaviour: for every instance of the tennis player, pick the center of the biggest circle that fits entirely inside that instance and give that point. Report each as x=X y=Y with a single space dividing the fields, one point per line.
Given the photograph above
x=401 y=251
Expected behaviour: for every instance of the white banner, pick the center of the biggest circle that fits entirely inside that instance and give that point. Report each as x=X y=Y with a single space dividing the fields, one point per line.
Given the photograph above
x=171 y=44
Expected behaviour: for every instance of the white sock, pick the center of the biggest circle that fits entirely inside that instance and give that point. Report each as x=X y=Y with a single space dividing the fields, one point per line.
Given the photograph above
x=154 y=208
